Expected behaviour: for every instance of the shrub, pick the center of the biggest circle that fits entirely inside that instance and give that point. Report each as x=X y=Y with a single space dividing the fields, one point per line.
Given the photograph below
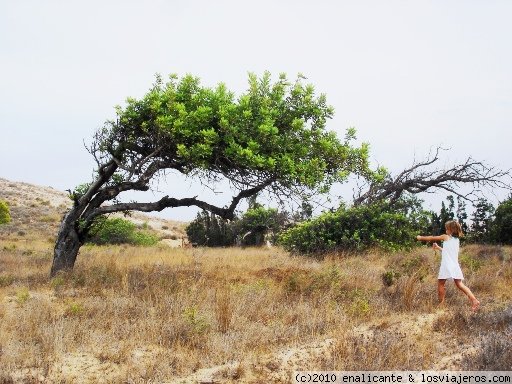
x=5 y=214
x=356 y=229
x=144 y=239
x=119 y=231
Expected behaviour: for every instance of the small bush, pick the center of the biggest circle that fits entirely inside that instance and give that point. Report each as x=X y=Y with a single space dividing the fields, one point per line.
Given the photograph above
x=22 y=295
x=74 y=309
x=119 y=231
x=390 y=277
x=144 y=239
x=355 y=229
x=5 y=214
x=6 y=280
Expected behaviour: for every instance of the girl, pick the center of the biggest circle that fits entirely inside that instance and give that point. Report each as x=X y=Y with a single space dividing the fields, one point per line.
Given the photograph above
x=450 y=268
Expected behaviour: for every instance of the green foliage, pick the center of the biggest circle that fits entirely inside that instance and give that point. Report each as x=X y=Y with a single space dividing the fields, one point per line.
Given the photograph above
x=6 y=280
x=357 y=228
x=447 y=212
x=118 y=231
x=198 y=323
x=22 y=295
x=74 y=309
x=482 y=218
x=501 y=226
x=257 y=221
x=470 y=262
x=275 y=129
x=5 y=214
x=462 y=215
x=210 y=230
x=390 y=277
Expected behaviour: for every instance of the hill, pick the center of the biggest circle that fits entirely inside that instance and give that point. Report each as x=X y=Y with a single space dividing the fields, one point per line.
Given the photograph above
x=37 y=211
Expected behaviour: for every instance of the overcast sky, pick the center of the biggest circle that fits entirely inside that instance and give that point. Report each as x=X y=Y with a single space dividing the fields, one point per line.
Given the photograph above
x=408 y=75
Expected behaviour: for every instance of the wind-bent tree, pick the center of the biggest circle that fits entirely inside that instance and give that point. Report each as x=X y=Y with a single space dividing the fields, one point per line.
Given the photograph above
x=271 y=138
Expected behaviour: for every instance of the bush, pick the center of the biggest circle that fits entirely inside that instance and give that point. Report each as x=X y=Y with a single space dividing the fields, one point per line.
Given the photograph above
x=356 y=229
x=118 y=231
x=5 y=214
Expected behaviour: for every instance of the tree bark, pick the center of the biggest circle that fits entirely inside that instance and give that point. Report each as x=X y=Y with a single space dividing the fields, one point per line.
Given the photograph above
x=67 y=245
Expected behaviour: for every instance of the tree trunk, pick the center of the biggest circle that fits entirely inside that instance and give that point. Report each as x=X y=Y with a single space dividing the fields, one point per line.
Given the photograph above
x=67 y=245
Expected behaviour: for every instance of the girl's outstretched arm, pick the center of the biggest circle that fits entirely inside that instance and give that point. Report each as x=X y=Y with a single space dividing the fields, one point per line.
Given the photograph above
x=432 y=238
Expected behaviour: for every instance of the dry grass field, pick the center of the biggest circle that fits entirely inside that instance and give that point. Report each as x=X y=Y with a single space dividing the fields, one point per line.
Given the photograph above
x=171 y=315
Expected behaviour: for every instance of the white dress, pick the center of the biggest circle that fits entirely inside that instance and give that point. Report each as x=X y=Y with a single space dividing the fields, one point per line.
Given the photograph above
x=450 y=268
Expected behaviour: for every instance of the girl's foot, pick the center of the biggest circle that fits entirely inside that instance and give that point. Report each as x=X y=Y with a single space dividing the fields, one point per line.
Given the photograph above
x=474 y=305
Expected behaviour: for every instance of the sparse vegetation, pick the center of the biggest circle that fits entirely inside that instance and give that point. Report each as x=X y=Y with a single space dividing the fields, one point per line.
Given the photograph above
x=185 y=309
x=128 y=313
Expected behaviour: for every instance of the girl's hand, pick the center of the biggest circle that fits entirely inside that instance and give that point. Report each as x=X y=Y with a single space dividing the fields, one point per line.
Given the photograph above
x=418 y=237
x=436 y=246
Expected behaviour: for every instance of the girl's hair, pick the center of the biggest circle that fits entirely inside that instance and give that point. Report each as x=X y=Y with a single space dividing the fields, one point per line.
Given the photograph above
x=454 y=228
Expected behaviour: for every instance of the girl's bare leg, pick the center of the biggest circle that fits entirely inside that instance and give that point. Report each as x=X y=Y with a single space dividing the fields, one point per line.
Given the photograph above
x=441 y=290
x=474 y=302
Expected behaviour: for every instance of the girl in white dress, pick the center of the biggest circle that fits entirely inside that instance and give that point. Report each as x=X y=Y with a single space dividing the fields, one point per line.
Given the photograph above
x=450 y=268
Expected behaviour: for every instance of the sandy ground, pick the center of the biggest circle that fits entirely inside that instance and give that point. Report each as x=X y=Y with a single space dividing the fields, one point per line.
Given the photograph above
x=279 y=366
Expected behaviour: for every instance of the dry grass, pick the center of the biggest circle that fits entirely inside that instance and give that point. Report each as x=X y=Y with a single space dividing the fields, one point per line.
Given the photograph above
x=158 y=313
x=134 y=315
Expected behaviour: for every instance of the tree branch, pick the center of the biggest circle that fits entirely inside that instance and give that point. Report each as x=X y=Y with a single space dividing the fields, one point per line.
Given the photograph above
x=168 y=202
x=418 y=178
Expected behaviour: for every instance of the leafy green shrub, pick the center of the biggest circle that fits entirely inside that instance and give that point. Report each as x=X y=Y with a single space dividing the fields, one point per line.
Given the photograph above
x=390 y=277
x=22 y=295
x=357 y=228
x=144 y=239
x=6 y=280
x=5 y=214
x=119 y=231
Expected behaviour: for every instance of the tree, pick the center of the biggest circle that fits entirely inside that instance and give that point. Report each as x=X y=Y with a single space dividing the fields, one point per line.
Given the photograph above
x=273 y=137
x=446 y=214
x=462 y=215
x=482 y=219
x=501 y=226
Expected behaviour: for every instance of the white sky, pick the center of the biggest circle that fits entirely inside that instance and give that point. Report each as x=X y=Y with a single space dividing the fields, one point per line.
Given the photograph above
x=408 y=75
